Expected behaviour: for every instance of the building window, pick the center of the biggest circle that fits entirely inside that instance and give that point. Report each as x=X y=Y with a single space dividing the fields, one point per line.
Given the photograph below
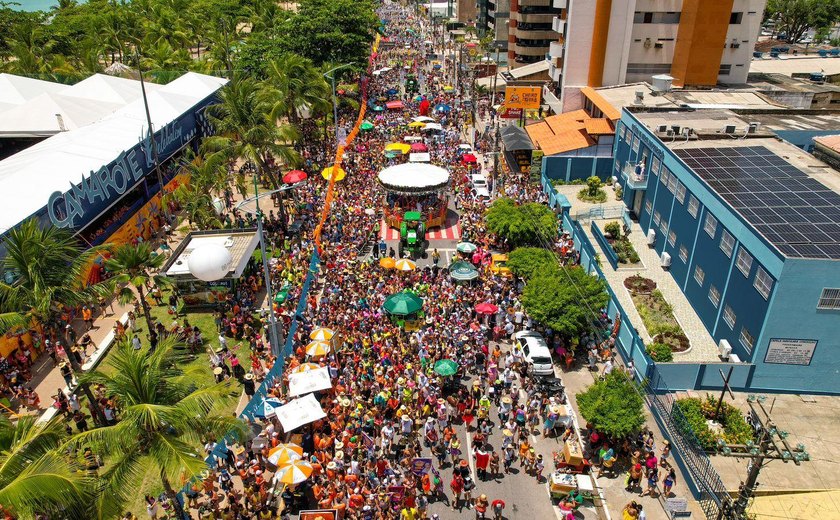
x=724 y=70
x=699 y=275
x=672 y=184
x=664 y=177
x=663 y=226
x=656 y=217
x=654 y=166
x=648 y=205
x=680 y=192
x=636 y=142
x=763 y=282
x=710 y=225
x=684 y=254
x=729 y=316
x=727 y=243
x=672 y=238
x=829 y=300
x=744 y=262
x=648 y=68
x=714 y=295
x=693 y=206
x=746 y=339
x=735 y=18
x=669 y=17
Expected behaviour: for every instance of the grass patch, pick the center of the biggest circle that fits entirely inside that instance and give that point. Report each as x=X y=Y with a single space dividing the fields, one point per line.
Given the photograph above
x=697 y=411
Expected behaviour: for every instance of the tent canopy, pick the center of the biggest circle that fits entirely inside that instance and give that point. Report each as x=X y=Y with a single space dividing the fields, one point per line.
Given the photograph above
x=414 y=178
x=309 y=381
x=298 y=412
x=516 y=138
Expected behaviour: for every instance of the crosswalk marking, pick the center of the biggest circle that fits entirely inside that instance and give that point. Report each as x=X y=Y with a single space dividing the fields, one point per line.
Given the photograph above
x=452 y=231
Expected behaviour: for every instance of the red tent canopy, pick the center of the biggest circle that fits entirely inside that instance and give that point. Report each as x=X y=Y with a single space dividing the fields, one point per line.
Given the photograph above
x=419 y=147
x=469 y=158
x=394 y=105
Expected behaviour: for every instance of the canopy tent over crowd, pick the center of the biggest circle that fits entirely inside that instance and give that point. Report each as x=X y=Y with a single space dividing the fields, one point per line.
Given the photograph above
x=414 y=178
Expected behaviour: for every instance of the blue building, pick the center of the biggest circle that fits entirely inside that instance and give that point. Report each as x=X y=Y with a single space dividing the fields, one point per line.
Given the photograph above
x=749 y=226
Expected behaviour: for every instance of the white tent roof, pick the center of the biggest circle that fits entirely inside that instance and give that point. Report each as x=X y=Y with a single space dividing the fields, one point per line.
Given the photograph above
x=109 y=89
x=414 y=176
x=17 y=90
x=39 y=115
x=298 y=412
x=28 y=178
x=310 y=381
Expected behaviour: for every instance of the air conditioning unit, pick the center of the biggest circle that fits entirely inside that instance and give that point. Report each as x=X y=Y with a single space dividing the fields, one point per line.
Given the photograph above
x=662 y=129
x=665 y=261
x=676 y=128
x=729 y=129
x=686 y=131
x=614 y=180
x=733 y=358
x=651 y=238
x=724 y=350
x=669 y=132
x=753 y=128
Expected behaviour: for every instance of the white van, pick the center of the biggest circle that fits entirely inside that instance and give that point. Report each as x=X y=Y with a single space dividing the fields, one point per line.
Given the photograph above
x=536 y=351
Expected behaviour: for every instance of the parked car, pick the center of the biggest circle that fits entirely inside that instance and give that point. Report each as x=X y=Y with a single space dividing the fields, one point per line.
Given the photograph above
x=478 y=181
x=481 y=195
x=536 y=352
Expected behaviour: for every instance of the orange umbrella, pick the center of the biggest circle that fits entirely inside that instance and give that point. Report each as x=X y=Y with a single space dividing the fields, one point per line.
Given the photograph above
x=306 y=367
x=387 y=262
x=285 y=454
x=294 y=472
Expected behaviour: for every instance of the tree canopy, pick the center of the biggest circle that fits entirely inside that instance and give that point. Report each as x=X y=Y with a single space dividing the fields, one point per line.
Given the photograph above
x=527 y=261
x=613 y=406
x=564 y=299
x=796 y=17
x=522 y=224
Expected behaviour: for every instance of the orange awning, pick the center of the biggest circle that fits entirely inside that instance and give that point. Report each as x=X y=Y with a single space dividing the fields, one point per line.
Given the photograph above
x=599 y=126
x=609 y=111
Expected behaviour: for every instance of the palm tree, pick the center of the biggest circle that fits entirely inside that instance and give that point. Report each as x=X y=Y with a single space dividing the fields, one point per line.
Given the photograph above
x=37 y=479
x=46 y=268
x=131 y=265
x=164 y=414
x=245 y=128
x=295 y=84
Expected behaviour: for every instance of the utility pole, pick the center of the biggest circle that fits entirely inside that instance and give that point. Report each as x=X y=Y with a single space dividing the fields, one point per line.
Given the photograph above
x=772 y=445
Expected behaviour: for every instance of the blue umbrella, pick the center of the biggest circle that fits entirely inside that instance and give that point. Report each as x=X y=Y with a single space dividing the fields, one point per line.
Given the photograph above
x=392 y=91
x=268 y=407
x=443 y=108
x=436 y=66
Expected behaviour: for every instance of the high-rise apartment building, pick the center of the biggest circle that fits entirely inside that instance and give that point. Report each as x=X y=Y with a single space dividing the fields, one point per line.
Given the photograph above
x=531 y=30
x=606 y=42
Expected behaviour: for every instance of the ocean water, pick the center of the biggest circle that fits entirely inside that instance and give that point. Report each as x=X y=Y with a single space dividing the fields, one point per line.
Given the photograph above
x=36 y=5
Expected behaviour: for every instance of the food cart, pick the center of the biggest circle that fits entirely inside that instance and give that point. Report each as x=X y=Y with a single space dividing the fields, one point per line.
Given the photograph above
x=570 y=459
x=561 y=485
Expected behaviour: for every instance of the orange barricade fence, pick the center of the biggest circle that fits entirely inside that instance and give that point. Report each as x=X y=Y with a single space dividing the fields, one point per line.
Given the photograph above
x=339 y=153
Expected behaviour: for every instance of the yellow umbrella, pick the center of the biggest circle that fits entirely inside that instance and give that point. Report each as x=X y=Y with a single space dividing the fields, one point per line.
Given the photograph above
x=322 y=334
x=284 y=454
x=317 y=349
x=416 y=124
x=294 y=472
x=387 y=262
x=398 y=147
x=404 y=264
x=339 y=174
x=306 y=367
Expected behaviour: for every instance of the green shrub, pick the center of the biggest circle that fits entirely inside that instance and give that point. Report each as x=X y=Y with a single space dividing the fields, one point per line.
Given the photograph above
x=618 y=193
x=599 y=197
x=697 y=411
x=660 y=352
x=625 y=251
x=613 y=229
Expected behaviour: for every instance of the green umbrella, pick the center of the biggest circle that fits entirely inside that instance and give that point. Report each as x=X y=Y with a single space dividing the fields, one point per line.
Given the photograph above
x=402 y=304
x=446 y=368
x=466 y=247
x=378 y=108
x=463 y=271
x=367 y=125
x=392 y=155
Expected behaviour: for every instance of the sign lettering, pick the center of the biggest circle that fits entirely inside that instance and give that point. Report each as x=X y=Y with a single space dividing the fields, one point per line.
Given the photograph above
x=523 y=97
x=790 y=351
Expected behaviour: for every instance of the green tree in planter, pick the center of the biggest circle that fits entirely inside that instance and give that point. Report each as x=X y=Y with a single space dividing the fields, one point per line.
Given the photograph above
x=593 y=186
x=613 y=230
x=613 y=406
x=521 y=224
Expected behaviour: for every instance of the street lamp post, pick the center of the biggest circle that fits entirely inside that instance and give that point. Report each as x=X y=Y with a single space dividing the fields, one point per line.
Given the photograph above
x=152 y=141
x=275 y=334
x=331 y=75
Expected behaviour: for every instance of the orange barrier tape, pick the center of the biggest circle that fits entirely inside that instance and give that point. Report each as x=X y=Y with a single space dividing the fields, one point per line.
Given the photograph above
x=339 y=153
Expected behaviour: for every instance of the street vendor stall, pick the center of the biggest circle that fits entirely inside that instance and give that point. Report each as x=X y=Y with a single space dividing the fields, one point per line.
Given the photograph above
x=417 y=187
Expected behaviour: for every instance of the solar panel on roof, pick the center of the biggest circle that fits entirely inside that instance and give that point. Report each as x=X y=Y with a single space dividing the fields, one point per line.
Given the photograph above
x=793 y=211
